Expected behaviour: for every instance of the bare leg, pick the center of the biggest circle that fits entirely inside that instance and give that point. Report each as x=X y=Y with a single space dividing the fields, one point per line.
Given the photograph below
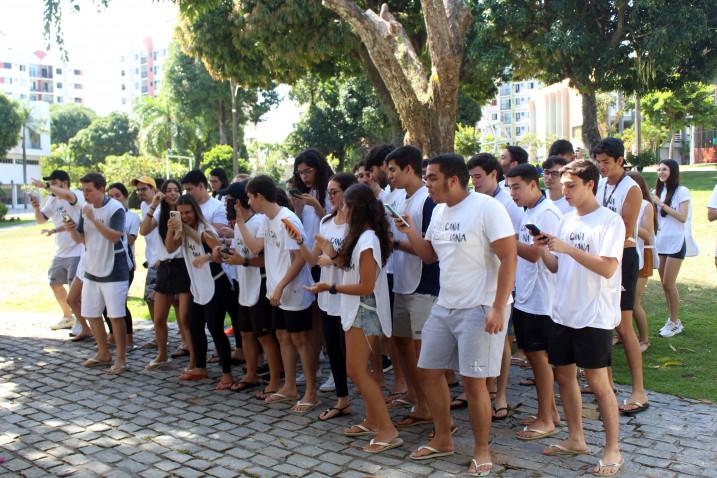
x=634 y=358
x=249 y=347
x=183 y=320
x=607 y=403
x=120 y=333
x=61 y=298
x=406 y=348
x=501 y=395
x=399 y=381
x=639 y=311
x=546 y=418
x=273 y=358
x=438 y=400
x=302 y=341
x=162 y=303
x=479 y=411
x=669 y=285
x=288 y=359
x=572 y=407
x=98 y=330
x=74 y=300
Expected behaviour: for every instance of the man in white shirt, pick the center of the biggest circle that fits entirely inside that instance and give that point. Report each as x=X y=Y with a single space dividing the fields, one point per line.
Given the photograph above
x=562 y=148
x=511 y=157
x=585 y=255
x=551 y=178
x=106 y=282
x=63 y=203
x=146 y=188
x=534 y=291
x=484 y=169
x=712 y=212
x=287 y=275
x=196 y=185
x=474 y=241
x=621 y=194
x=415 y=284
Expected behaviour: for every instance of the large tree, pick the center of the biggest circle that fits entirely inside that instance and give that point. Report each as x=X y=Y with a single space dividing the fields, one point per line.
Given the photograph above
x=607 y=45
x=67 y=120
x=109 y=135
x=11 y=124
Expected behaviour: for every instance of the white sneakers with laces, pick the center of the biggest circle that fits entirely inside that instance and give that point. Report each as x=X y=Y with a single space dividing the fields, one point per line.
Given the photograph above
x=64 y=323
x=671 y=328
x=328 y=385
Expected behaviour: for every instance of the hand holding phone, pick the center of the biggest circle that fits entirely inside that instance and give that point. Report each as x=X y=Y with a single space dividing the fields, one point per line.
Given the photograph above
x=295 y=192
x=176 y=218
x=395 y=214
x=534 y=230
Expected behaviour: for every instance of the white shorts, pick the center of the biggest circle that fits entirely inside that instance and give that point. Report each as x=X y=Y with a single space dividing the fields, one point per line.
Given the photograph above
x=456 y=338
x=98 y=295
x=410 y=313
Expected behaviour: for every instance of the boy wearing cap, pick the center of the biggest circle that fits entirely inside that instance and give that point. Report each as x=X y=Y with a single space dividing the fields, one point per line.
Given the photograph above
x=63 y=203
x=146 y=188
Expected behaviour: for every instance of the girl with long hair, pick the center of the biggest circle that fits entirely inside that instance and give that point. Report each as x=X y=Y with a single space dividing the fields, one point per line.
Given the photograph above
x=311 y=178
x=647 y=225
x=333 y=229
x=210 y=287
x=218 y=180
x=172 y=277
x=365 y=307
x=673 y=206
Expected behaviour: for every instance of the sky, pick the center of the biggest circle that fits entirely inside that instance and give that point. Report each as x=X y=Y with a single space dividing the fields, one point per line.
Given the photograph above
x=96 y=37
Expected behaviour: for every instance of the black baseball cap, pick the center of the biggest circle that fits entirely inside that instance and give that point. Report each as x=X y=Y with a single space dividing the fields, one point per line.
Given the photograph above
x=237 y=191
x=57 y=174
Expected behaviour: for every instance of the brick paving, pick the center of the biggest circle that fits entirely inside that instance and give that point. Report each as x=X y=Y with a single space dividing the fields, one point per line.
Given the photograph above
x=59 y=419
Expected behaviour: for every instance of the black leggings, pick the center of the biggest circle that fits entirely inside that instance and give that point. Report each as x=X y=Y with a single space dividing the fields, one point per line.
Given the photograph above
x=233 y=311
x=336 y=348
x=127 y=313
x=212 y=315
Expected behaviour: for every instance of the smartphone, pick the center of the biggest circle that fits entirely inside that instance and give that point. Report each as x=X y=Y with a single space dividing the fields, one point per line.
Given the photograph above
x=534 y=230
x=66 y=218
x=173 y=214
x=226 y=250
x=295 y=192
x=294 y=231
x=395 y=214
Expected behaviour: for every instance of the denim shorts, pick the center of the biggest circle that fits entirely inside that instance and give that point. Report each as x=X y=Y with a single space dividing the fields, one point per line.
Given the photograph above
x=367 y=318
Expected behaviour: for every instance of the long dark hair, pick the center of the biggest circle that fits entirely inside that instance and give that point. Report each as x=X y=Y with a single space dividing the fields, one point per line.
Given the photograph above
x=314 y=159
x=637 y=177
x=345 y=180
x=673 y=182
x=223 y=179
x=165 y=208
x=366 y=213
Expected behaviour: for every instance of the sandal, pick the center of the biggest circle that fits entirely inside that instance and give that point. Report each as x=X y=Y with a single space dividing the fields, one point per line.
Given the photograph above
x=340 y=412
x=304 y=407
x=432 y=435
x=527 y=382
x=644 y=346
x=393 y=396
x=432 y=453
x=502 y=417
x=399 y=403
x=192 y=375
x=224 y=385
x=264 y=394
x=475 y=468
x=556 y=449
x=242 y=386
x=458 y=403
x=411 y=420
x=637 y=407
x=383 y=446
x=362 y=431
x=537 y=434
x=180 y=352
x=608 y=469
x=154 y=365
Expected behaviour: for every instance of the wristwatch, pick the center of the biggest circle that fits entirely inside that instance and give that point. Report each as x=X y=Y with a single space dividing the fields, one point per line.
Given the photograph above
x=332 y=289
x=246 y=262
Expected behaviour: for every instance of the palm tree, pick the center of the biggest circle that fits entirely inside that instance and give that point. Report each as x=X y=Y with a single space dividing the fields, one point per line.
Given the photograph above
x=33 y=124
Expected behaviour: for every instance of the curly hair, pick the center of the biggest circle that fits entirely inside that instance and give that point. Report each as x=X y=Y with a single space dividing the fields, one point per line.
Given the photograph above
x=366 y=212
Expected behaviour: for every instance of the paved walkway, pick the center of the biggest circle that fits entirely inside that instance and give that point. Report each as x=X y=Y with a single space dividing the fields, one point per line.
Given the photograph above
x=58 y=419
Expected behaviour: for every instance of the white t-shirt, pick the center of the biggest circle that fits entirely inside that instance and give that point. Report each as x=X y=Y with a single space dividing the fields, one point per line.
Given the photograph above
x=585 y=298
x=311 y=220
x=462 y=235
x=613 y=196
x=563 y=206
x=53 y=209
x=151 y=240
x=277 y=259
x=162 y=253
x=712 y=203
x=407 y=268
x=214 y=211
x=515 y=212
x=350 y=303
x=534 y=283
x=201 y=278
x=249 y=278
x=335 y=233
x=670 y=231
x=395 y=199
x=131 y=228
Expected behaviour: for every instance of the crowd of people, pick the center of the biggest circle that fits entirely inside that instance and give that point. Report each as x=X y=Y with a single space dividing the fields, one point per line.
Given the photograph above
x=402 y=259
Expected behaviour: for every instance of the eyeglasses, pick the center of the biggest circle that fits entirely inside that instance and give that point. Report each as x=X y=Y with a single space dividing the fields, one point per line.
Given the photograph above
x=552 y=174
x=333 y=192
x=305 y=172
x=143 y=189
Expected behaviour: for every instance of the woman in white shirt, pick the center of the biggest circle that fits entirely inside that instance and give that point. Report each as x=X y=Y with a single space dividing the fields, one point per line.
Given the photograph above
x=172 y=277
x=647 y=225
x=365 y=308
x=673 y=205
x=311 y=179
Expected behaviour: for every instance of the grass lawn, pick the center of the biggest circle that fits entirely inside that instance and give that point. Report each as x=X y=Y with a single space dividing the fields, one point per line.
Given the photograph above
x=681 y=365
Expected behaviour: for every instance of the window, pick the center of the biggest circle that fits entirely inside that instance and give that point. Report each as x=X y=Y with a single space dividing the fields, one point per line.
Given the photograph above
x=22 y=67
x=7 y=66
x=154 y=55
x=77 y=72
x=504 y=90
x=58 y=71
x=521 y=130
x=122 y=73
x=123 y=87
x=494 y=117
x=506 y=117
x=59 y=84
x=505 y=103
x=59 y=99
x=78 y=100
x=516 y=87
x=33 y=139
x=23 y=96
x=124 y=101
x=77 y=86
x=521 y=116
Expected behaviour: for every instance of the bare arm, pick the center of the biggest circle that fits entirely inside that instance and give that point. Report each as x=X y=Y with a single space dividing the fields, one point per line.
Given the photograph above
x=39 y=216
x=604 y=266
x=680 y=213
x=647 y=232
x=367 y=278
x=419 y=246
x=530 y=252
x=506 y=251
x=255 y=244
x=711 y=214
x=630 y=211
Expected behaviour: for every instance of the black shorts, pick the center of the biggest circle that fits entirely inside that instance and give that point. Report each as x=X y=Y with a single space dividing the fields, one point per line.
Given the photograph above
x=257 y=318
x=630 y=268
x=291 y=320
x=172 y=277
x=588 y=347
x=679 y=254
x=531 y=330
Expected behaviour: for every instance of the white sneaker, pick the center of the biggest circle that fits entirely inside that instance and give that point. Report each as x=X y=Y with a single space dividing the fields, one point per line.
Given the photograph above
x=328 y=385
x=65 y=323
x=672 y=329
x=667 y=323
x=76 y=329
x=300 y=379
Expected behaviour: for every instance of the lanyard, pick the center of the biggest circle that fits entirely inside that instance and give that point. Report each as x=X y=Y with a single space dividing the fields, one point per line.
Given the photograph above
x=541 y=199
x=497 y=190
x=605 y=202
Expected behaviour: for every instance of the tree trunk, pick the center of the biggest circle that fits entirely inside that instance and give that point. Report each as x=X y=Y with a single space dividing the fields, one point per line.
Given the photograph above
x=426 y=103
x=591 y=132
x=235 y=163
x=341 y=156
x=637 y=141
x=24 y=162
x=222 y=121
x=672 y=145
x=396 y=130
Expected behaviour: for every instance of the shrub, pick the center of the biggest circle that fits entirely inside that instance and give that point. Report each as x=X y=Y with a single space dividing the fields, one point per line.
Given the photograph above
x=3 y=211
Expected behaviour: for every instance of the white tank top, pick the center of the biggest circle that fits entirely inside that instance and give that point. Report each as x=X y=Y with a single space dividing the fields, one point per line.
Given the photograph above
x=407 y=267
x=202 y=281
x=99 y=252
x=249 y=278
x=613 y=197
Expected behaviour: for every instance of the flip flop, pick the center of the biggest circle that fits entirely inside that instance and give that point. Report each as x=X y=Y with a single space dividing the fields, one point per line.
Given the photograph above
x=462 y=403
x=431 y=435
x=393 y=396
x=560 y=450
x=410 y=421
x=264 y=394
x=399 y=403
x=341 y=413
x=117 y=371
x=92 y=363
x=395 y=443
x=538 y=434
x=277 y=397
x=156 y=365
x=364 y=431
x=180 y=353
x=224 y=385
x=495 y=413
x=640 y=407
x=614 y=466
x=80 y=338
x=531 y=419
x=527 y=382
x=242 y=386
x=477 y=466
x=434 y=453
x=191 y=375
x=305 y=407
